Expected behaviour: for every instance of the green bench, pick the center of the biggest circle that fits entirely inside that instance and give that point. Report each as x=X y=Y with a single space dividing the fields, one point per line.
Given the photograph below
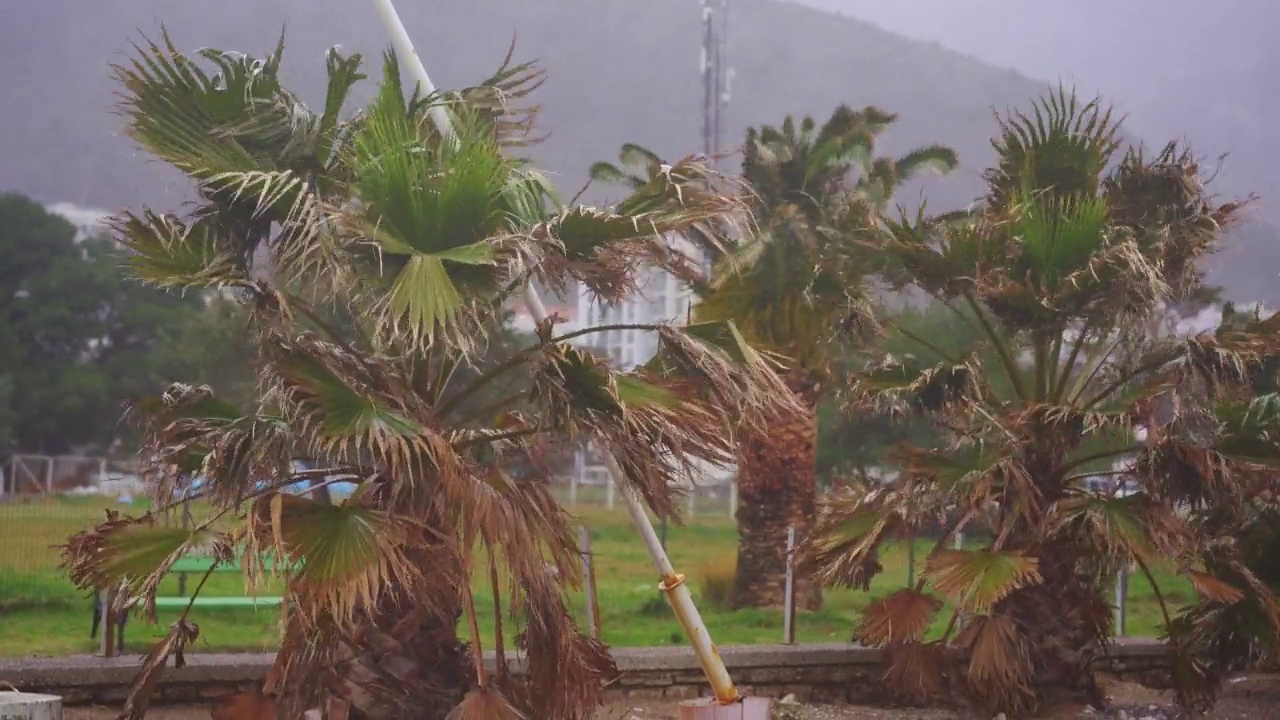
x=190 y=565
x=193 y=565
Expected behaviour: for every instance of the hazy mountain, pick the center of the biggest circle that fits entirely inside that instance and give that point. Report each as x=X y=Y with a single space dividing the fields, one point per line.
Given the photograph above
x=619 y=70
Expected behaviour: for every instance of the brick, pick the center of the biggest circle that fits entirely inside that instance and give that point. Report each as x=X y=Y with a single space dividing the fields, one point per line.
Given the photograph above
x=646 y=693
x=212 y=691
x=645 y=679
x=802 y=692
x=682 y=692
x=180 y=693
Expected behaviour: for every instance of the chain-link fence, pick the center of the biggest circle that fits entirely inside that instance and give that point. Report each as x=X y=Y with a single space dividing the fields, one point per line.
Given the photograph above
x=703 y=500
x=35 y=590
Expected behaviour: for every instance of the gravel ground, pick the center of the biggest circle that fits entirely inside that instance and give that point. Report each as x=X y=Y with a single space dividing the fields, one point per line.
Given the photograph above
x=1248 y=698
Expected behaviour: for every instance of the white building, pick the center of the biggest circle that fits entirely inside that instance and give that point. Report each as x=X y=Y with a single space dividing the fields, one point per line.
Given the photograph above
x=661 y=298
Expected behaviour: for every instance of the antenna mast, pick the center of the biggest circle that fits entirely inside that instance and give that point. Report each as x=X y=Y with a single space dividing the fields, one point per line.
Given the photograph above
x=716 y=76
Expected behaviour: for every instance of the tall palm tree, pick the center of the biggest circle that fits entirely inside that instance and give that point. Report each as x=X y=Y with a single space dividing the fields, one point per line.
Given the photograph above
x=416 y=240
x=816 y=189
x=1061 y=271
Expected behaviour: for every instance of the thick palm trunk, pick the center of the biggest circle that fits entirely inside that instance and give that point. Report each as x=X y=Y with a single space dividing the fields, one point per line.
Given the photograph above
x=1064 y=619
x=777 y=489
x=403 y=661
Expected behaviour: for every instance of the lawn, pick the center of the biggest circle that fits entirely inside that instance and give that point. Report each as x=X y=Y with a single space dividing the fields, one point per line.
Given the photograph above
x=42 y=614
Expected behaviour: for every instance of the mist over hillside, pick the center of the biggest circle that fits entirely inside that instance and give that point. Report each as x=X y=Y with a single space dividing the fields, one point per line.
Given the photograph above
x=618 y=71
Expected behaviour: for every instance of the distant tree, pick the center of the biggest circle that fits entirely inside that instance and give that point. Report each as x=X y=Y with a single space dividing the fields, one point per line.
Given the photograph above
x=79 y=341
x=787 y=285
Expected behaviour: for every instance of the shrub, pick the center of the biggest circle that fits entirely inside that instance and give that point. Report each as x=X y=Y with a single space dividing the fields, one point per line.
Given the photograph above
x=716 y=583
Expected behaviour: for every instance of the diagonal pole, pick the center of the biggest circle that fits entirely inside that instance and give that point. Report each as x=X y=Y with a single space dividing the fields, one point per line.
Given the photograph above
x=672 y=583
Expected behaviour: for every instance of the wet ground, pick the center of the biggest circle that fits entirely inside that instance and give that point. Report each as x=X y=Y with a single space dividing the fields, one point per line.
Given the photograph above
x=1248 y=698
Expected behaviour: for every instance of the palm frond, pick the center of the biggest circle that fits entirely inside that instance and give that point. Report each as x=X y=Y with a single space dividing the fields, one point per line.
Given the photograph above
x=898 y=618
x=975 y=580
x=342 y=557
x=147 y=681
x=1061 y=146
x=131 y=556
x=169 y=253
x=1000 y=667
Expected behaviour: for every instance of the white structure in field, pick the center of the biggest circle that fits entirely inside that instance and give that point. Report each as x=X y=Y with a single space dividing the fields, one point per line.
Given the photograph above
x=661 y=298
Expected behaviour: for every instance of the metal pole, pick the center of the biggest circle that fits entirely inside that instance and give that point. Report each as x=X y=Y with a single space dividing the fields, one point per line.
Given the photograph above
x=48 y=475
x=671 y=583
x=589 y=581
x=733 y=498
x=609 y=500
x=1122 y=598
x=789 y=591
x=911 y=562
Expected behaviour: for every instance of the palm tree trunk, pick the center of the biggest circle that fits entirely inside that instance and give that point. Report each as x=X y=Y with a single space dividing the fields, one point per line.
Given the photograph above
x=402 y=661
x=777 y=489
x=1065 y=619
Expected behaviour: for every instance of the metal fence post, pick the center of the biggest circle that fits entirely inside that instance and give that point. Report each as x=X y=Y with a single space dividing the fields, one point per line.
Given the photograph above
x=911 y=562
x=789 y=591
x=589 y=582
x=1122 y=600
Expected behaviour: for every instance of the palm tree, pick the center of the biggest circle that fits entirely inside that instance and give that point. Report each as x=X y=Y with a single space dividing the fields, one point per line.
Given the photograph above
x=415 y=241
x=1061 y=271
x=816 y=189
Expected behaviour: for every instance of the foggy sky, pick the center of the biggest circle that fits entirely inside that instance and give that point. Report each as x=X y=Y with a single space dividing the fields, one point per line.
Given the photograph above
x=1198 y=69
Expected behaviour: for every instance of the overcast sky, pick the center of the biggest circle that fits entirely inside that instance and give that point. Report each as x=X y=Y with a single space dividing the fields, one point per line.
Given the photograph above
x=1176 y=67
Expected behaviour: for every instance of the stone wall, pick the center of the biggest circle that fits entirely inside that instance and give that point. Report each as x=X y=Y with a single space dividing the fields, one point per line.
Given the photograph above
x=831 y=673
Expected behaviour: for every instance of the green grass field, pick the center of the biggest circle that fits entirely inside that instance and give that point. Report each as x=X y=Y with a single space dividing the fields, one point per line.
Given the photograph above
x=42 y=614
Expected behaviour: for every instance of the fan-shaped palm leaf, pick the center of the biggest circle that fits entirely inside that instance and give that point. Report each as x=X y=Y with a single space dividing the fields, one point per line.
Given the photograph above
x=975 y=580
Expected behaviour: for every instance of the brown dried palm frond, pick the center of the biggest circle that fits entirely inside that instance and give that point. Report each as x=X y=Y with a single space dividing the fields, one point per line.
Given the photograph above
x=905 y=385
x=852 y=524
x=1000 y=669
x=567 y=670
x=924 y=673
x=192 y=432
x=181 y=634
x=1123 y=530
x=485 y=704
x=898 y=618
x=604 y=248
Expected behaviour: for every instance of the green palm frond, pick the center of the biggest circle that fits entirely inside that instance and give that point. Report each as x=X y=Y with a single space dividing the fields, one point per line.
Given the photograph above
x=132 y=555
x=431 y=206
x=975 y=580
x=931 y=158
x=636 y=165
x=906 y=384
x=604 y=248
x=341 y=556
x=1060 y=147
x=171 y=254
x=335 y=400
x=1116 y=527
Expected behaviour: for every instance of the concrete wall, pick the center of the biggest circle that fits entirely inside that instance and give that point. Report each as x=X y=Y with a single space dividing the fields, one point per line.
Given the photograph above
x=823 y=673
